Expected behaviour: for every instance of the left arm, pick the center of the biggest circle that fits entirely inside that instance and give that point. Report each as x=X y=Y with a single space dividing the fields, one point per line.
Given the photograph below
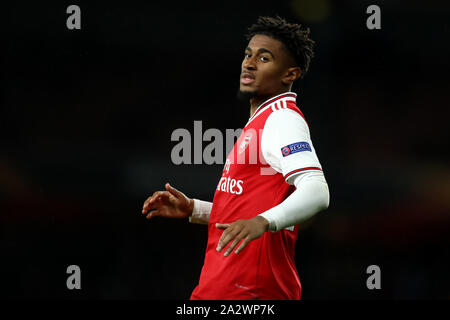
x=310 y=197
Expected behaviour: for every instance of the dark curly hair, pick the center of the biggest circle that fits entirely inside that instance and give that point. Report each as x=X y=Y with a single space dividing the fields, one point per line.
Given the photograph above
x=294 y=38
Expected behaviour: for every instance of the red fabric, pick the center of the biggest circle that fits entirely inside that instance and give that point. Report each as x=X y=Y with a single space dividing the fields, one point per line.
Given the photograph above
x=299 y=170
x=265 y=269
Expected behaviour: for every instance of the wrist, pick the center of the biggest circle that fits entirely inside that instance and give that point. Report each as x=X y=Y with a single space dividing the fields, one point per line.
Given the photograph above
x=190 y=207
x=265 y=223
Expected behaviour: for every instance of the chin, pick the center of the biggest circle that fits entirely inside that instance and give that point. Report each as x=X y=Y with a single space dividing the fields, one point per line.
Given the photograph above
x=245 y=93
x=248 y=89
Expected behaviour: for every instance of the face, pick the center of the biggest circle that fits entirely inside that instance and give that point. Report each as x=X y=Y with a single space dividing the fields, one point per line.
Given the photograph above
x=267 y=69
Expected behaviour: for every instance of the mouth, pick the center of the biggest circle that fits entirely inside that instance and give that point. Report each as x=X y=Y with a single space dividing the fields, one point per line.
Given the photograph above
x=247 y=78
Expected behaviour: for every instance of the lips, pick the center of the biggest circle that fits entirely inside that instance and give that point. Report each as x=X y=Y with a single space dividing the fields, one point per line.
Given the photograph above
x=247 y=78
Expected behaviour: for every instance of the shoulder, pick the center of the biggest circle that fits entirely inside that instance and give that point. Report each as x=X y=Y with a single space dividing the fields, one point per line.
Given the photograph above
x=285 y=119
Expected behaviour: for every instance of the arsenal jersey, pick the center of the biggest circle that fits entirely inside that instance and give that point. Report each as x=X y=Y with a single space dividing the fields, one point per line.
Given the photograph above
x=255 y=179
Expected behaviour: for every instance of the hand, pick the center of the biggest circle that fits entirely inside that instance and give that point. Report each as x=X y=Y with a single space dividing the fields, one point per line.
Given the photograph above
x=248 y=230
x=169 y=204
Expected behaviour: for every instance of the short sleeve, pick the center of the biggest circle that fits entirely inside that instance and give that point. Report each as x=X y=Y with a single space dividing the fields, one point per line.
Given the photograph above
x=286 y=144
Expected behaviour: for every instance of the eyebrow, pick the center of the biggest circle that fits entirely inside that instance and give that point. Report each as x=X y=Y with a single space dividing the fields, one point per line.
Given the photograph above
x=262 y=50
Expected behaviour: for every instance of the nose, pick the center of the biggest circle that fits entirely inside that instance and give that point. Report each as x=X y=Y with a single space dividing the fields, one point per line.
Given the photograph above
x=249 y=64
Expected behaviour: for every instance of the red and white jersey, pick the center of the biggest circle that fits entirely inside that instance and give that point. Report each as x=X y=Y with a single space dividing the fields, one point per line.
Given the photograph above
x=274 y=146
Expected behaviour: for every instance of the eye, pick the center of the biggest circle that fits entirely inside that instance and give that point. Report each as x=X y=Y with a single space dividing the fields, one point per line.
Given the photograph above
x=247 y=55
x=264 y=59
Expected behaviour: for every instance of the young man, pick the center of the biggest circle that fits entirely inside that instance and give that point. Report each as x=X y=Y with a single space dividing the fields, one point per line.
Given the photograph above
x=259 y=202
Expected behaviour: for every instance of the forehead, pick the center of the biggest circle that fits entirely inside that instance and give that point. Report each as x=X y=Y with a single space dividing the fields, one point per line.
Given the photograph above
x=262 y=41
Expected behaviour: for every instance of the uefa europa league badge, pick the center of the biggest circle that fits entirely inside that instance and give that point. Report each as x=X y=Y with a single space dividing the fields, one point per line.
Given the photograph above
x=245 y=142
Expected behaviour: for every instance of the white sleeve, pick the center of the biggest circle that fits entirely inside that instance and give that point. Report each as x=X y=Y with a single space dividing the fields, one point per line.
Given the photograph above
x=286 y=144
x=310 y=197
x=200 y=212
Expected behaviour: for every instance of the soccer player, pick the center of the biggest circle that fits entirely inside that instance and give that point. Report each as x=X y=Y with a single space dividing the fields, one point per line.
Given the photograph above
x=260 y=200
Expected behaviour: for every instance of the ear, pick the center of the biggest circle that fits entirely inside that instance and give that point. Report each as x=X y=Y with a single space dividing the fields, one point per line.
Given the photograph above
x=292 y=74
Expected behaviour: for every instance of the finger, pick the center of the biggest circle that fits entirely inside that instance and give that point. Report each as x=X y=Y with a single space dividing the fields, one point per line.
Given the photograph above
x=154 y=200
x=173 y=191
x=153 y=206
x=235 y=242
x=243 y=244
x=153 y=214
x=144 y=206
x=226 y=237
x=222 y=226
x=150 y=200
x=148 y=203
x=153 y=196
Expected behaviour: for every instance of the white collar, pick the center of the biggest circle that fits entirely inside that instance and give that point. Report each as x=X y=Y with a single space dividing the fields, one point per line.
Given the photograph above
x=285 y=96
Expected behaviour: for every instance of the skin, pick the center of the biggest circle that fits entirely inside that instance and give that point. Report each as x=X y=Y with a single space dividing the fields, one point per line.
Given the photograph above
x=268 y=62
x=171 y=203
x=272 y=66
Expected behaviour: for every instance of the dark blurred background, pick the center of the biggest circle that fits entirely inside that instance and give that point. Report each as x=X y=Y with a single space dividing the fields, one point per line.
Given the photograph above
x=85 y=133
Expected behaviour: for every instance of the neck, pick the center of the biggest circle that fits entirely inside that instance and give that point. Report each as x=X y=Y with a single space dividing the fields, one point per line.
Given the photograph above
x=257 y=101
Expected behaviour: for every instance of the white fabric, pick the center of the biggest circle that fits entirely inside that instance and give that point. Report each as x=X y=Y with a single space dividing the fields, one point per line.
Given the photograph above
x=282 y=128
x=201 y=211
x=279 y=103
